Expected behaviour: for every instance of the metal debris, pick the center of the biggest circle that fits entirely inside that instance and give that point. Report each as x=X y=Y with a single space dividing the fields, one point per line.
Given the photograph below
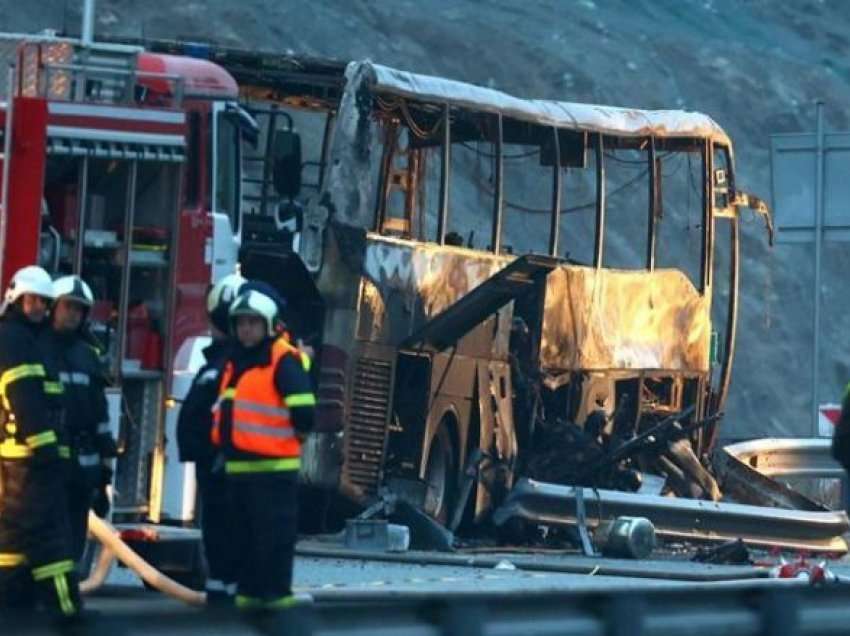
x=680 y=518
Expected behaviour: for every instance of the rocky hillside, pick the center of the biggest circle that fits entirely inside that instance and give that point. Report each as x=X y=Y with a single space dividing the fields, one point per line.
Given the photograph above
x=757 y=67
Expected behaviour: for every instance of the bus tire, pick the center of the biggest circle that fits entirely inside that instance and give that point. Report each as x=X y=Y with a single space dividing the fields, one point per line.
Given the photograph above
x=441 y=475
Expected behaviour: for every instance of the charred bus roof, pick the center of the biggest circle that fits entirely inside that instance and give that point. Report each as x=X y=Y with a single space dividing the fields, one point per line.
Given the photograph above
x=616 y=122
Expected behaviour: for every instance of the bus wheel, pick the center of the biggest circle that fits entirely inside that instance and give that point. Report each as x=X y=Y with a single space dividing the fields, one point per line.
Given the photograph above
x=441 y=476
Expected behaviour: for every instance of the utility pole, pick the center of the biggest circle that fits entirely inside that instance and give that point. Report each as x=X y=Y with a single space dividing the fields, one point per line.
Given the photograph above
x=819 y=187
x=87 y=31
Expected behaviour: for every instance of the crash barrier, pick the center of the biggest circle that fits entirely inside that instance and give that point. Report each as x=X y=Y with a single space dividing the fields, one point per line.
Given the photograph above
x=781 y=609
x=679 y=518
x=781 y=459
x=788 y=457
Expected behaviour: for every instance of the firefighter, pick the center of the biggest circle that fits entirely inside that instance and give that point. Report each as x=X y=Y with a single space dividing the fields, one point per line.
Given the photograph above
x=72 y=352
x=265 y=405
x=193 y=441
x=35 y=544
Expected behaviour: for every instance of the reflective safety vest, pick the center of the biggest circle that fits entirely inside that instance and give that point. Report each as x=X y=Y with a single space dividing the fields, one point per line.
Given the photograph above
x=261 y=421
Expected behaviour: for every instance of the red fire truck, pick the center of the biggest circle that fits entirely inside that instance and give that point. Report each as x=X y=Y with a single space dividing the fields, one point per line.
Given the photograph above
x=123 y=166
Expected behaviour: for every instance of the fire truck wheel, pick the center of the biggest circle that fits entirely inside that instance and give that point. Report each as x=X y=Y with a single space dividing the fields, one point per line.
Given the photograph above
x=441 y=475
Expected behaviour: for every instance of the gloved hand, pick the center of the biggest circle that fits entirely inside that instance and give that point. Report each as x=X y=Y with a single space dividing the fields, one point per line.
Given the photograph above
x=100 y=501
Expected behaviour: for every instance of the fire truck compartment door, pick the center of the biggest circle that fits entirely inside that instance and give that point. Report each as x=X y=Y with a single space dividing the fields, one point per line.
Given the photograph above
x=447 y=327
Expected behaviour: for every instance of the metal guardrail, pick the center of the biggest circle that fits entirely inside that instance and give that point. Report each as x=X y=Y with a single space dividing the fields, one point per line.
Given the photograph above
x=788 y=457
x=743 y=610
x=681 y=518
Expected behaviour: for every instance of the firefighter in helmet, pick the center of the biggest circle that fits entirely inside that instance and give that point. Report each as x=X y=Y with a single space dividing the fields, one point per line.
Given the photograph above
x=193 y=441
x=74 y=355
x=265 y=404
x=36 y=560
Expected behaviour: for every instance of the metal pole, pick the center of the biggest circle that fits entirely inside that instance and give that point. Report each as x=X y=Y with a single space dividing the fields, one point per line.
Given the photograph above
x=599 y=239
x=554 y=224
x=271 y=132
x=127 y=257
x=87 y=31
x=731 y=317
x=445 y=171
x=496 y=239
x=707 y=218
x=7 y=156
x=83 y=181
x=326 y=143
x=653 y=198
x=818 y=246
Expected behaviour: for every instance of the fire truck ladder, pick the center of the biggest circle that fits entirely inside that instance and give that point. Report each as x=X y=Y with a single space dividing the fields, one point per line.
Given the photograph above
x=515 y=280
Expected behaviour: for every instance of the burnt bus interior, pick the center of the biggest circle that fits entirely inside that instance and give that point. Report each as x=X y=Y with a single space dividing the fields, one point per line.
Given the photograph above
x=635 y=220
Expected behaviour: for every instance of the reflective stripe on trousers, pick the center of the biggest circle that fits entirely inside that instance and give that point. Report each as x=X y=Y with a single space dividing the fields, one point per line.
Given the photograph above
x=253 y=603
x=58 y=572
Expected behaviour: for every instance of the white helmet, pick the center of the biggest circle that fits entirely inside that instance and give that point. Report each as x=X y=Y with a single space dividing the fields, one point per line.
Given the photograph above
x=28 y=280
x=255 y=303
x=74 y=288
x=220 y=297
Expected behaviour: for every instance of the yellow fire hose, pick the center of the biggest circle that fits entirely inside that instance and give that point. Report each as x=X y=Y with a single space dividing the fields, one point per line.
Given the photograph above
x=114 y=547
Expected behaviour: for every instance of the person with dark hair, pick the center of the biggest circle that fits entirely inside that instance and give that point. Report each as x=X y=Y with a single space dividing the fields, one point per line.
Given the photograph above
x=194 y=445
x=265 y=405
x=36 y=559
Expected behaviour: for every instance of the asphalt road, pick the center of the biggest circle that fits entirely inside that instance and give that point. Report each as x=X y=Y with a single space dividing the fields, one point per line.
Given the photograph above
x=334 y=581
x=338 y=576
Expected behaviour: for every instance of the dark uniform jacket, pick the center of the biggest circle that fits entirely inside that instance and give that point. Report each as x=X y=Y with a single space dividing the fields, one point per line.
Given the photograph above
x=30 y=397
x=195 y=420
x=77 y=364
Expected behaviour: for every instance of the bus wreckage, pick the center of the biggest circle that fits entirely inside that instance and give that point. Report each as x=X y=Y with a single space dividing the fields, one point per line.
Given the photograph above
x=521 y=310
x=479 y=355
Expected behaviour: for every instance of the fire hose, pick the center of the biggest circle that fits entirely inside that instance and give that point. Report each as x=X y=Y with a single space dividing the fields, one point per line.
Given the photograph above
x=114 y=547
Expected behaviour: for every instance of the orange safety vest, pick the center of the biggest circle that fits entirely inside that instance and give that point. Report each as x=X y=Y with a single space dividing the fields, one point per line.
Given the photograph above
x=261 y=421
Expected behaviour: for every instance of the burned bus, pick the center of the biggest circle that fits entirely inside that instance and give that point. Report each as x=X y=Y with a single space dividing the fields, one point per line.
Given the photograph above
x=486 y=281
x=476 y=270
